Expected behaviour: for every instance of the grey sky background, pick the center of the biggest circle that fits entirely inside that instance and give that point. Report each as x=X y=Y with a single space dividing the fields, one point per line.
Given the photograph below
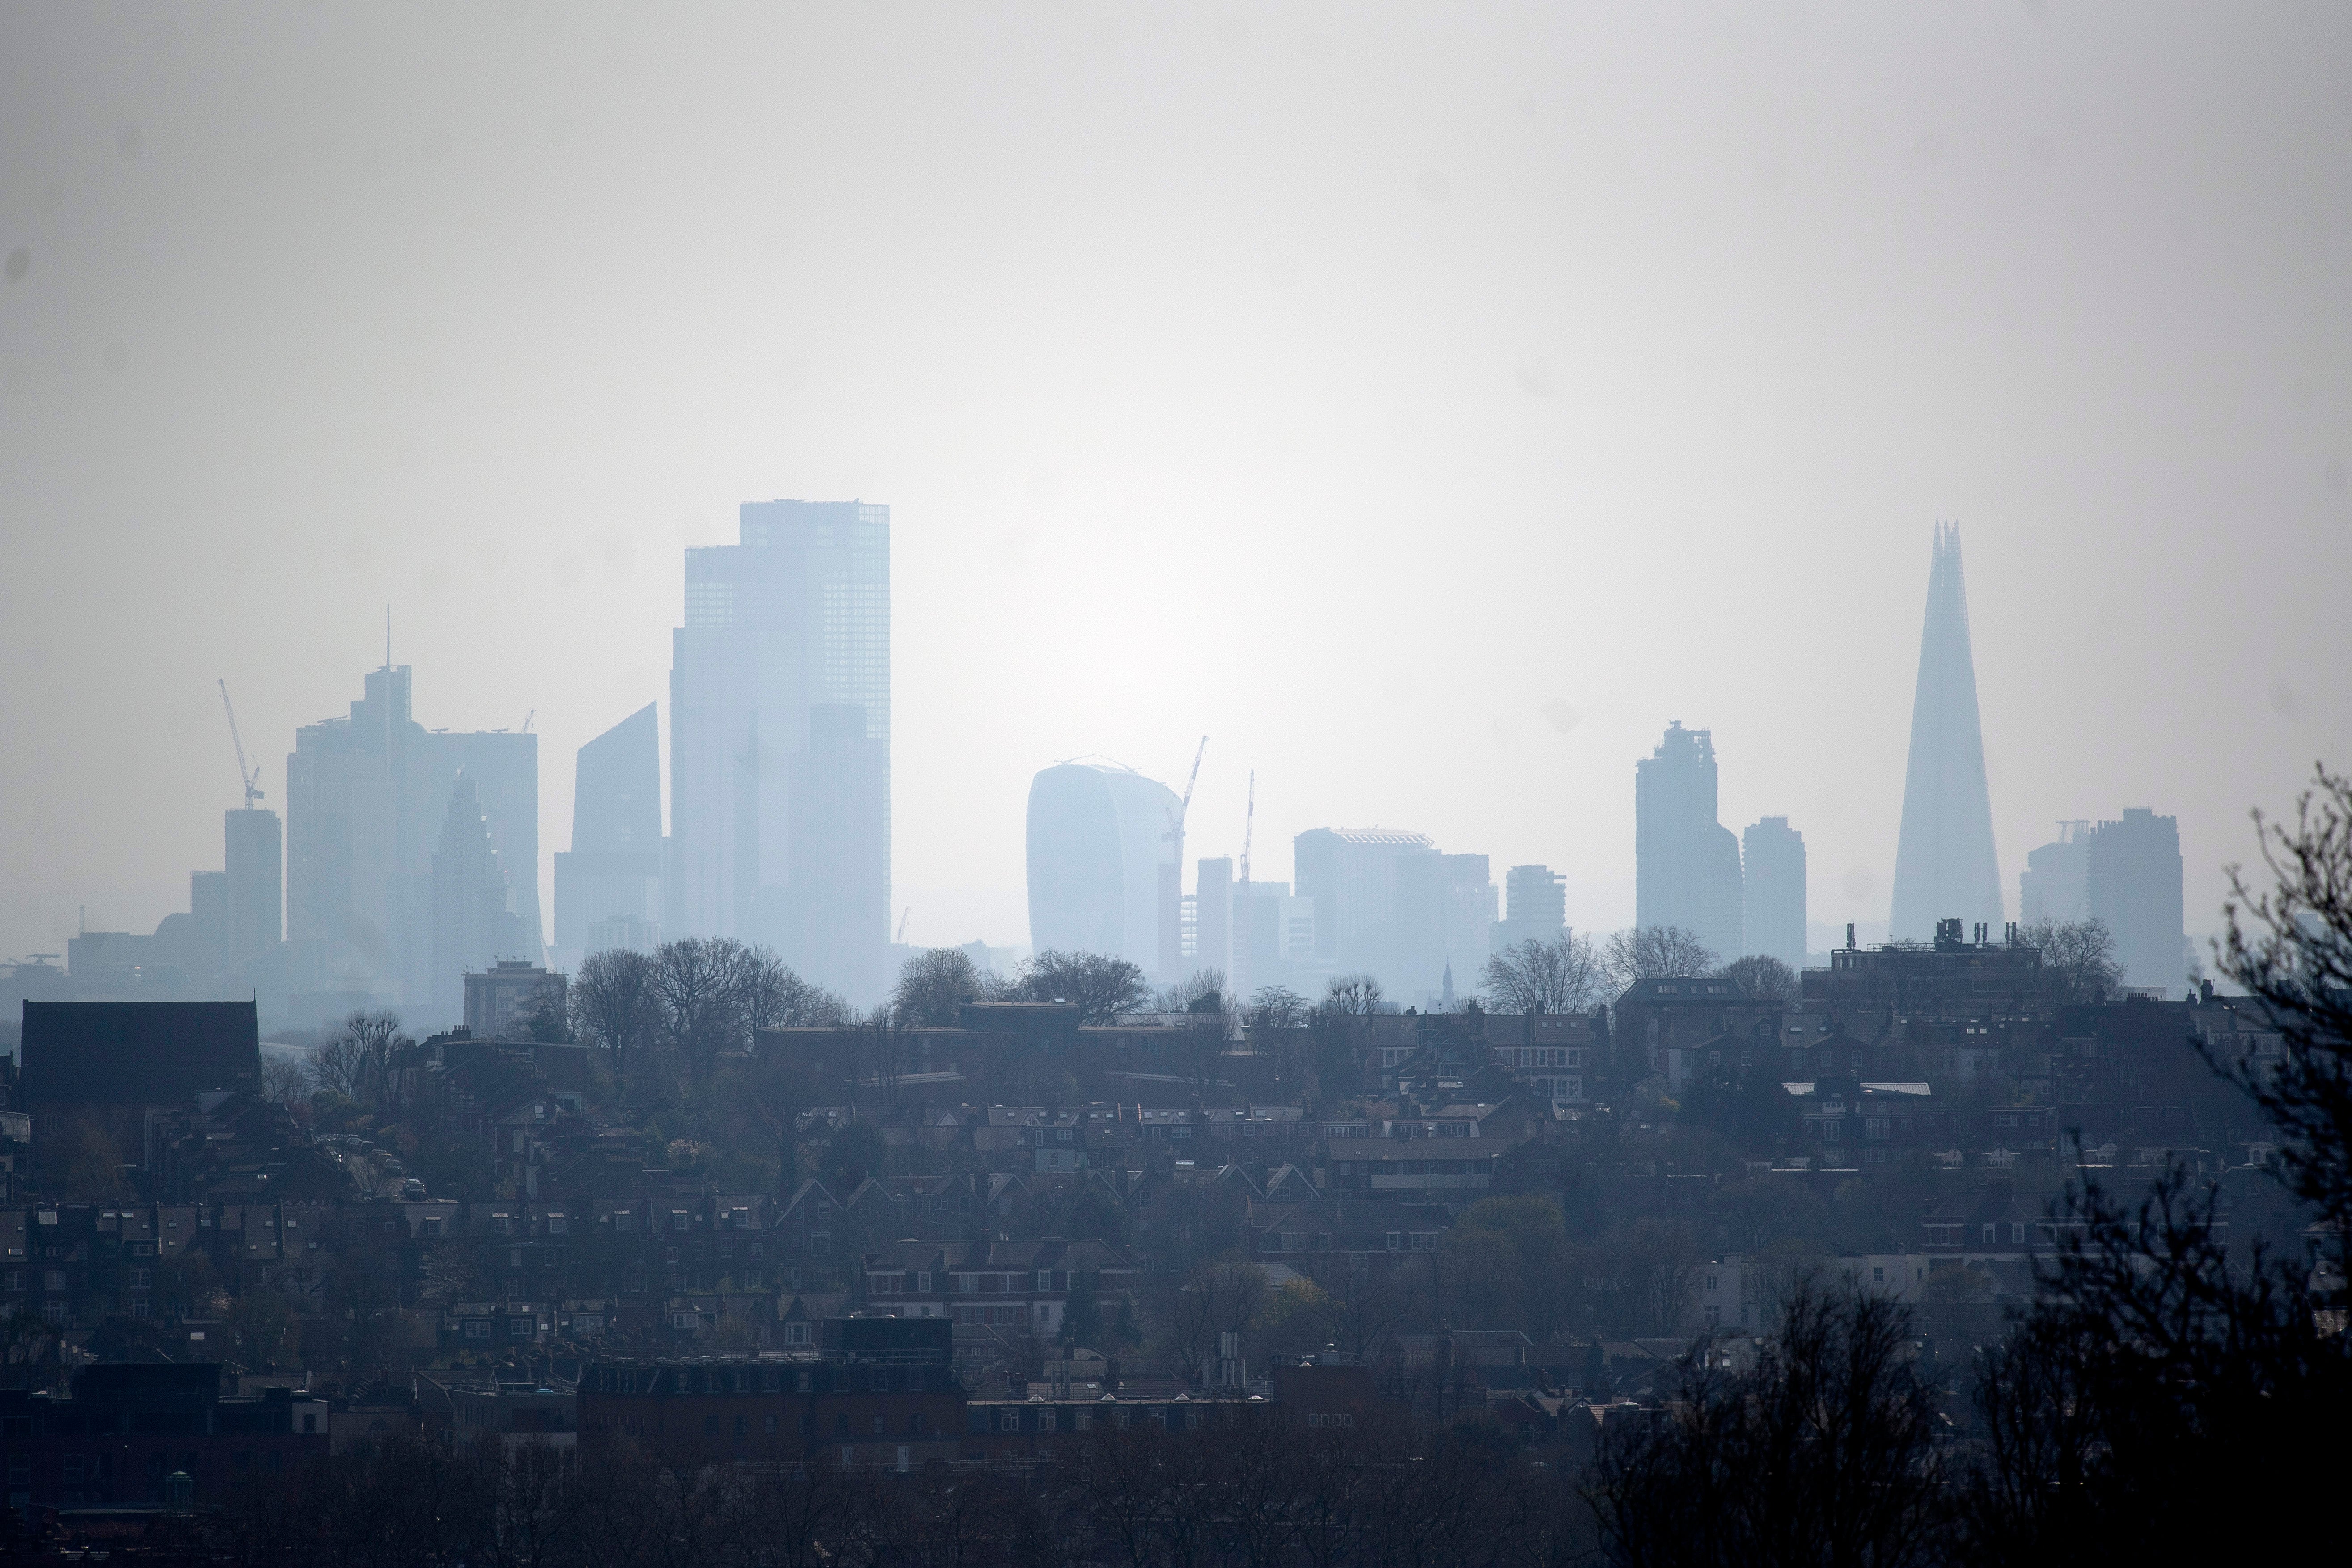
x=1428 y=403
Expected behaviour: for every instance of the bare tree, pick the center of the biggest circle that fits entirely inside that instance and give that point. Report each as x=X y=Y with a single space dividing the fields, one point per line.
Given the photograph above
x=1189 y=993
x=933 y=983
x=1764 y=979
x=776 y=998
x=770 y=1091
x=700 y=984
x=2078 y=959
x=2290 y=948
x=1101 y=986
x=355 y=1061
x=1562 y=975
x=1826 y=1451
x=1355 y=995
x=616 y=1004
x=286 y=1079
x=1277 y=1008
x=1656 y=953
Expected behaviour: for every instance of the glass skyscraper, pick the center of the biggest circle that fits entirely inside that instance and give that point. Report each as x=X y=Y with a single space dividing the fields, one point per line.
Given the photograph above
x=779 y=741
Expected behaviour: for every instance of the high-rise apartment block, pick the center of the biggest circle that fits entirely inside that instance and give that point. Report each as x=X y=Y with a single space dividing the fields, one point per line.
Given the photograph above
x=1686 y=863
x=367 y=799
x=255 y=859
x=1535 y=906
x=779 y=741
x=2125 y=874
x=1772 y=857
x=2133 y=882
x=610 y=881
x=2055 y=883
x=1945 y=868
x=1100 y=837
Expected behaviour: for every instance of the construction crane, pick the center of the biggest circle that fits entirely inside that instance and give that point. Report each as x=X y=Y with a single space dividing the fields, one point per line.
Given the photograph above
x=247 y=777
x=1171 y=940
x=900 y=940
x=1176 y=818
x=1249 y=825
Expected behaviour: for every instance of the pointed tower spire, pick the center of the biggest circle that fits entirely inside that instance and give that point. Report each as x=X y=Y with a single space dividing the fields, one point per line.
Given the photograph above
x=1944 y=865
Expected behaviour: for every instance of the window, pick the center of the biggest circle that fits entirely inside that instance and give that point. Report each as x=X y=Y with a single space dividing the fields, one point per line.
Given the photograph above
x=1008 y=1421
x=53 y=1280
x=142 y=1278
x=1045 y=1279
x=923 y=1282
x=742 y=1425
x=1990 y=1232
x=878 y=1429
x=477 y=1327
x=2017 y=1232
x=768 y=1425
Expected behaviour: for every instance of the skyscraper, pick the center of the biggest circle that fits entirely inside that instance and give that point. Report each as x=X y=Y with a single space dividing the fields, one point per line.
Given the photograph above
x=472 y=928
x=1944 y=867
x=1535 y=906
x=366 y=799
x=612 y=870
x=1098 y=837
x=2132 y=881
x=254 y=861
x=1213 y=921
x=1686 y=863
x=779 y=815
x=1772 y=856
x=2054 y=884
x=1388 y=903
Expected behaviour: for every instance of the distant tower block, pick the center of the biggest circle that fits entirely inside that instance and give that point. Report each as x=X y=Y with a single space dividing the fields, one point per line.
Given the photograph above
x=1944 y=863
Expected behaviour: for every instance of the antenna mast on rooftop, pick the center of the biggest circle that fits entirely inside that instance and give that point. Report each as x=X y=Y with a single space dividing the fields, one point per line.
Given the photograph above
x=248 y=778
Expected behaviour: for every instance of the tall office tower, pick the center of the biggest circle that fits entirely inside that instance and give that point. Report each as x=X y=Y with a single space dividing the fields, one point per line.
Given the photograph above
x=780 y=819
x=205 y=953
x=1772 y=856
x=612 y=872
x=1212 y=905
x=1274 y=941
x=2054 y=885
x=1388 y=903
x=1686 y=863
x=1098 y=835
x=1535 y=906
x=471 y=926
x=1944 y=867
x=254 y=861
x=366 y=798
x=1447 y=923
x=2132 y=881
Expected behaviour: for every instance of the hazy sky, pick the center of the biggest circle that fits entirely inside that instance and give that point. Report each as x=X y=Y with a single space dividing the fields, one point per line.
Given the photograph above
x=1427 y=402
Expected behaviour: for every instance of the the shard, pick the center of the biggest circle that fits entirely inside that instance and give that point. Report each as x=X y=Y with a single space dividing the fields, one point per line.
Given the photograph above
x=1944 y=866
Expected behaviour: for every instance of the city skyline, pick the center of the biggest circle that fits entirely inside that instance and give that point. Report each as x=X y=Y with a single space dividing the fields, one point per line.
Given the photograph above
x=1364 y=401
